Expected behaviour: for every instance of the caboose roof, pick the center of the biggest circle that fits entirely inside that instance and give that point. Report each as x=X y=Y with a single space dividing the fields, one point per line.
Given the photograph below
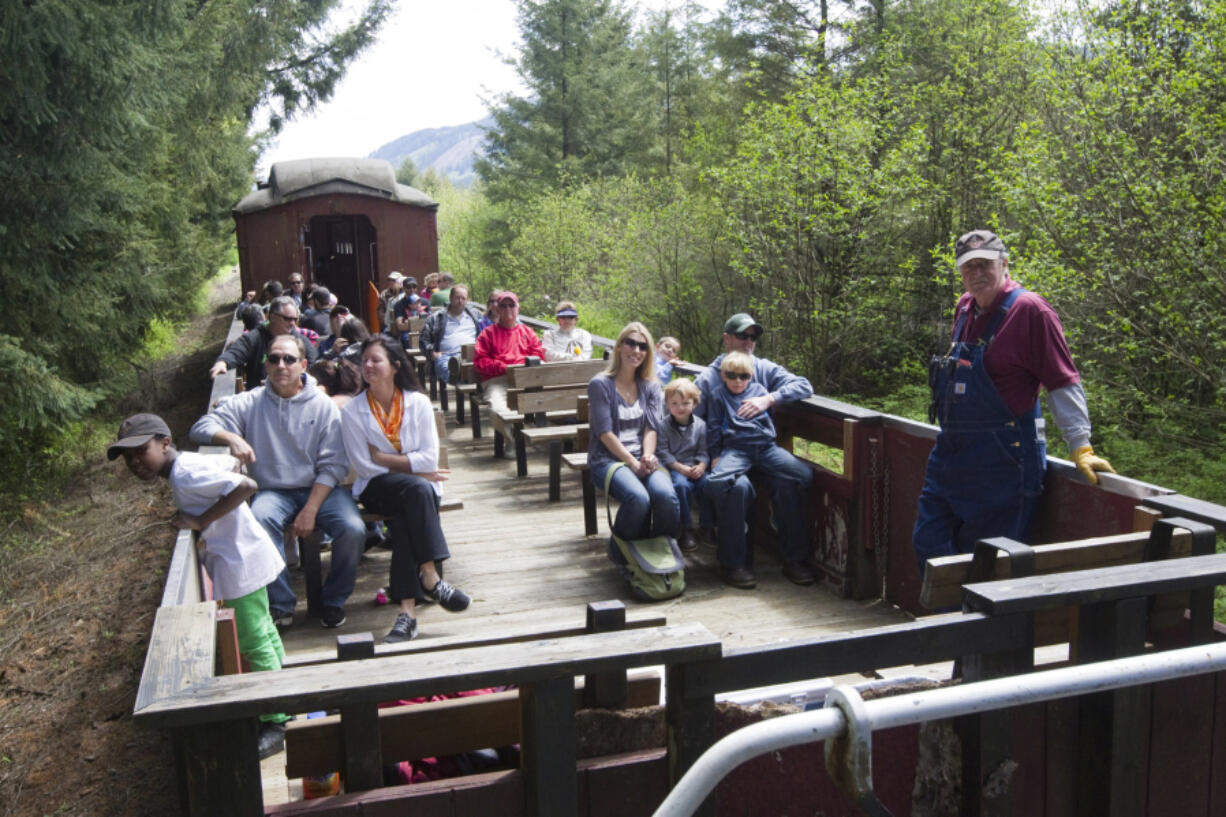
x=302 y=178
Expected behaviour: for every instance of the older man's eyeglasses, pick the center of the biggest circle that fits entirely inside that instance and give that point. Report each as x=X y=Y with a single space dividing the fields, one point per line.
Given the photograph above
x=635 y=344
x=277 y=360
x=737 y=375
x=748 y=336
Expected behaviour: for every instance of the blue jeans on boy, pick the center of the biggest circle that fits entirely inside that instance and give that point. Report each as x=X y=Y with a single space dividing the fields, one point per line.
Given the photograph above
x=687 y=488
x=731 y=493
x=338 y=517
x=640 y=499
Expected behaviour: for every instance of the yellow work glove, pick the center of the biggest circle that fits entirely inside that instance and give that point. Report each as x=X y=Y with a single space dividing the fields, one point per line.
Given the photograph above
x=1088 y=462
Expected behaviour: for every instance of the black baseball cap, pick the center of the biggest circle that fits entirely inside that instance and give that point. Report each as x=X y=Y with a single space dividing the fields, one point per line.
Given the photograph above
x=136 y=431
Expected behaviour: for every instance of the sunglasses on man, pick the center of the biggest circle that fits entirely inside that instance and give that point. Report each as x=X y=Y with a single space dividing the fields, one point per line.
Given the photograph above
x=290 y=318
x=635 y=344
x=277 y=360
x=748 y=336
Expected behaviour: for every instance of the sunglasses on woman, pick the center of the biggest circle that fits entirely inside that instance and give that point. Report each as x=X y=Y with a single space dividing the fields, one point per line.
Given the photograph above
x=277 y=360
x=737 y=375
x=635 y=344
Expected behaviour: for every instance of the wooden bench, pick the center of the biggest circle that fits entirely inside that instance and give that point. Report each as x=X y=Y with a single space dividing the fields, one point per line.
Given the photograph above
x=561 y=439
x=996 y=559
x=432 y=729
x=213 y=719
x=309 y=547
x=547 y=392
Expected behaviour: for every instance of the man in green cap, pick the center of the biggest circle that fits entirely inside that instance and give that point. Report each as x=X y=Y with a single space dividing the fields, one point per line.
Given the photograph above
x=741 y=334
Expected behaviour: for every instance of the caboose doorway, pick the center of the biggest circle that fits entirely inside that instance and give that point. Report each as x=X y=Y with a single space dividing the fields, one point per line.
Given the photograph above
x=342 y=254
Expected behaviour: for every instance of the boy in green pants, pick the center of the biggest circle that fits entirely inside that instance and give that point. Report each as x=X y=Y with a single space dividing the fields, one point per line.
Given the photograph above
x=240 y=558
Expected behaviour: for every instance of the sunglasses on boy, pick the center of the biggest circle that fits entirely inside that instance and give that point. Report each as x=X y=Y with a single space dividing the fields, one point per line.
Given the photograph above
x=737 y=375
x=277 y=360
x=754 y=336
x=635 y=344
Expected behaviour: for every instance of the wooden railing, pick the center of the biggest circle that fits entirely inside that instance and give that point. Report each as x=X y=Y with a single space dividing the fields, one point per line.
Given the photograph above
x=862 y=531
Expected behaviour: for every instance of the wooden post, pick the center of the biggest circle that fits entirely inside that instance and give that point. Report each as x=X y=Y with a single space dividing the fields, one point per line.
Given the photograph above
x=363 y=749
x=312 y=572
x=690 y=712
x=606 y=690
x=551 y=782
x=474 y=408
x=1113 y=737
x=555 y=470
x=229 y=659
x=219 y=769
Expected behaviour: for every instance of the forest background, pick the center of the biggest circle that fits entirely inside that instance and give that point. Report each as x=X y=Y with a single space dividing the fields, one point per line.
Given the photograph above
x=809 y=161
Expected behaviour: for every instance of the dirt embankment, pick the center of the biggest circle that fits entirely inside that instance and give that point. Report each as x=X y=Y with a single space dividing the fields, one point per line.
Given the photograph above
x=77 y=601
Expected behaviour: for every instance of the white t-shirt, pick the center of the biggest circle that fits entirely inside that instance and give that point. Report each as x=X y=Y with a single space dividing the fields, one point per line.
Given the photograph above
x=238 y=554
x=456 y=333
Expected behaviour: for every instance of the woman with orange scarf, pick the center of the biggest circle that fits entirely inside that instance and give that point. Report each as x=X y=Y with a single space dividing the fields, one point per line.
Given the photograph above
x=392 y=445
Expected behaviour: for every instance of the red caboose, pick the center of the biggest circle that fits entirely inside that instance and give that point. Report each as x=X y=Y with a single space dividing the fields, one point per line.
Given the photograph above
x=342 y=223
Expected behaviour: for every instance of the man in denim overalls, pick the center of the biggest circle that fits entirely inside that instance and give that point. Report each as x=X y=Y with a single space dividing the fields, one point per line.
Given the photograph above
x=985 y=473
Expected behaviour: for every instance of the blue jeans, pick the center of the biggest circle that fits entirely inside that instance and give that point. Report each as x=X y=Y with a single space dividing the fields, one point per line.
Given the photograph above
x=440 y=366
x=338 y=517
x=687 y=488
x=731 y=494
x=649 y=505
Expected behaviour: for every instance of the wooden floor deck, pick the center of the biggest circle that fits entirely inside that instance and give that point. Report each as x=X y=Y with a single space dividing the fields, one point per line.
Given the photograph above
x=526 y=562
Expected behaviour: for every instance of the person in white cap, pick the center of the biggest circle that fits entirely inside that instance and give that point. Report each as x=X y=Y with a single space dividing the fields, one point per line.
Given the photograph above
x=985 y=473
x=568 y=341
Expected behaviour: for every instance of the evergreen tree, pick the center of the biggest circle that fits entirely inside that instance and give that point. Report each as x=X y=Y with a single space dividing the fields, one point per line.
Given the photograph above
x=583 y=116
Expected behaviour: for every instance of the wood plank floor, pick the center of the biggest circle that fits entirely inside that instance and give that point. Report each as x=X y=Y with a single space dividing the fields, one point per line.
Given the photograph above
x=526 y=563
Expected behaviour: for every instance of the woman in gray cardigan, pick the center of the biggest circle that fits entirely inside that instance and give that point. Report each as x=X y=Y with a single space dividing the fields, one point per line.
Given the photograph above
x=624 y=413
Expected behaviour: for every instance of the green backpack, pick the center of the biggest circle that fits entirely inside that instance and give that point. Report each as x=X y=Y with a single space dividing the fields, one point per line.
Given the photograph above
x=654 y=567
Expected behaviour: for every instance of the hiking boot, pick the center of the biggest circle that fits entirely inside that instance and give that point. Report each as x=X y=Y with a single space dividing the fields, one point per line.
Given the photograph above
x=282 y=618
x=688 y=542
x=799 y=573
x=405 y=629
x=741 y=577
x=449 y=597
x=333 y=617
x=453 y=370
x=272 y=739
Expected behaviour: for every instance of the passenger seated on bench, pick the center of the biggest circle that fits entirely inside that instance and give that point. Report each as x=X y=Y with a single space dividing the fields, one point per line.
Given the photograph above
x=339 y=379
x=289 y=435
x=625 y=418
x=241 y=560
x=353 y=333
x=491 y=310
x=666 y=358
x=249 y=348
x=568 y=341
x=392 y=444
x=507 y=343
x=336 y=316
x=683 y=451
x=739 y=445
x=448 y=331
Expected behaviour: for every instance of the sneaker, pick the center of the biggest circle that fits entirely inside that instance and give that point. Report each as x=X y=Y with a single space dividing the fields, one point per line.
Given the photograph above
x=799 y=573
x=688 y=542
x=282 y=618
x=272 y=739
x=741 y=577
x=405 y=629
x=332 y=617
x=449 y=597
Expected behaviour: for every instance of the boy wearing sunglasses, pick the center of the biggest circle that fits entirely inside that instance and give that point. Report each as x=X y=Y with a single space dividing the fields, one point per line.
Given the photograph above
x=738 y=444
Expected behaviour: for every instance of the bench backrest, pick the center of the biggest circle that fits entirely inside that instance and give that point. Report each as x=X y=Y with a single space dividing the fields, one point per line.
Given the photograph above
x=552 y=399
x=562 y=373
x=945 y=577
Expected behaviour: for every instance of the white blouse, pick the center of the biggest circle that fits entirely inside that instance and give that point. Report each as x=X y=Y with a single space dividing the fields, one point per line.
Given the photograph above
x=418 y=438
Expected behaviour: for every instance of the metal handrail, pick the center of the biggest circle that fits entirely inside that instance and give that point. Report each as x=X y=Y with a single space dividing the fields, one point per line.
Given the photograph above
x=934 y=704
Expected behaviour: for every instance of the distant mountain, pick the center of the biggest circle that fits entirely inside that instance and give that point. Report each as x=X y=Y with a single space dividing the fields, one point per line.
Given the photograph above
x=450 y=151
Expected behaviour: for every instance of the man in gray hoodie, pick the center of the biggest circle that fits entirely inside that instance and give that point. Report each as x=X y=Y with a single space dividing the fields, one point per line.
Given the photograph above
x=288 y=432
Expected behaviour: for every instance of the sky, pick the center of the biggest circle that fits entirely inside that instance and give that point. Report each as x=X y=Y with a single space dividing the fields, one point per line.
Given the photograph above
x=436 y=63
